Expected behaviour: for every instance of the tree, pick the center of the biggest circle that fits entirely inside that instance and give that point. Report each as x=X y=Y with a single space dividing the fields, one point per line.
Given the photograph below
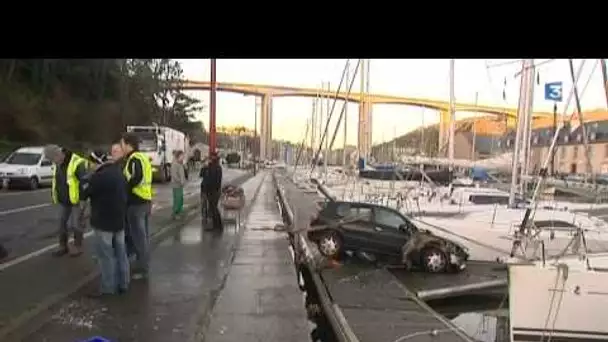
x=84 y=102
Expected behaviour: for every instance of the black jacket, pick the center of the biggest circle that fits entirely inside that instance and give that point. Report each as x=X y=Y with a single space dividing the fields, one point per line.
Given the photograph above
x=108 y=193
x=61 y=184
x=137 y=174
x=212 y=178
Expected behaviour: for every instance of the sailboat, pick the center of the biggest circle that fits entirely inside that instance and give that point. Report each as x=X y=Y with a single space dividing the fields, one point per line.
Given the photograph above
x=561 y=299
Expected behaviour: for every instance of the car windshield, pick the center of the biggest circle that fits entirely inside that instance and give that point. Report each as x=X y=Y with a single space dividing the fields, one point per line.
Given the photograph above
x=23 y=158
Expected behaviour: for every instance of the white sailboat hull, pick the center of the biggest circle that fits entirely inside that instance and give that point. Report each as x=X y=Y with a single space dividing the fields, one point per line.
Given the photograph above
x=567 y=303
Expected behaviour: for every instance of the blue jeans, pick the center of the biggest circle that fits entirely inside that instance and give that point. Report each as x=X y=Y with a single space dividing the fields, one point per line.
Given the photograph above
x=138 y=217
x=112 y=259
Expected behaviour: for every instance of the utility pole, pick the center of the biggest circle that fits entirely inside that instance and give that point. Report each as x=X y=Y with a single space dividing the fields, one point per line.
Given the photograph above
x=255 y=151
x=212 y=108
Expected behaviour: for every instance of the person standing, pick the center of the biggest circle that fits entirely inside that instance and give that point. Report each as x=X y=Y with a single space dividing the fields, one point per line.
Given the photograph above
x=117 y=157
x=69 y=173
x=212 y=184
x=178 y=182
x=204 y=204
x=138 y=172
x=107 y=190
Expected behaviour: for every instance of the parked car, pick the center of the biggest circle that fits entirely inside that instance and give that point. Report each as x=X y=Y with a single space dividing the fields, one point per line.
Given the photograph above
x=26 y=166
x=383 y=231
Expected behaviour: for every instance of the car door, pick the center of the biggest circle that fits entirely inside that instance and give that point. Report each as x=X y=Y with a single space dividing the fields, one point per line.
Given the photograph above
x=356 y=233
x=388 y=236
x=45 y=171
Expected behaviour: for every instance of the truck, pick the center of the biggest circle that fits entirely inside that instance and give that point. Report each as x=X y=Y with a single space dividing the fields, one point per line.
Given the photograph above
x=159 y=143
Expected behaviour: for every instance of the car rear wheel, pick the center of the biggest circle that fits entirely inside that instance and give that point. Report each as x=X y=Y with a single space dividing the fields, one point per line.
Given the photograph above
x=330 y=244
x=434 y=260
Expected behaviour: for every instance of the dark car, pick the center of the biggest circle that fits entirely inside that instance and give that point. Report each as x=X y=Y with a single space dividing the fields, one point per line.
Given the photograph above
x=383 y=231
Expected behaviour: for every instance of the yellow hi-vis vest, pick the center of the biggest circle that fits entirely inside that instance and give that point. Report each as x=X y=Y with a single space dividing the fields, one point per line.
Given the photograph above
x=144 y=188
x=72 y=180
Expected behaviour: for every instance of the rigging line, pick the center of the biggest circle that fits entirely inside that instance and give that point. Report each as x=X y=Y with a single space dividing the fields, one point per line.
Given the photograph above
x=581 y=120
x=597 y=62
x=491 y=84
x=331 y=112
x=553 y=145
x=499 y=64
x=533 y=66
x=350 y=87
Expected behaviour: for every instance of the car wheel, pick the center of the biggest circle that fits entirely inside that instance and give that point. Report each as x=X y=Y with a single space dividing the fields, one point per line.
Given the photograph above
x=434 y=260
x=34 y=183
x=330 y=244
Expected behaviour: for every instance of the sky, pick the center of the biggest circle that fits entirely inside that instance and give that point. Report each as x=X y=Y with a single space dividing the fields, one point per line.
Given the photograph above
x=483 y=79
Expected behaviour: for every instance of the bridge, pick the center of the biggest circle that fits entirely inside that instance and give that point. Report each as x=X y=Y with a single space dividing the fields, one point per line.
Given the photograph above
x=268 y=92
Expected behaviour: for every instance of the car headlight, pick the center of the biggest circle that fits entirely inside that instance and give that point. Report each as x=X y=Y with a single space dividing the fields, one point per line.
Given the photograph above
x=22 y=170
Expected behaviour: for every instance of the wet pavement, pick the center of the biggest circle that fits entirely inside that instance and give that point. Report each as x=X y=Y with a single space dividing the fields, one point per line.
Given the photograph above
x=34 y=284
x=191 y=273
x=28 y=220
x=261 y=300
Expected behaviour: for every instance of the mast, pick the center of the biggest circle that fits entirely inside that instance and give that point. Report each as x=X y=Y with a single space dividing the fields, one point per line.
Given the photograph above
x=523 y=88
x=528 y=77
x=320 y=111
x=368 y=113
x=605 y=78
x=360 y=133
x=423 y=145
x=326 y=159
x=312 y=129
x=452 y=117
x=474 y=131
x=345 y=116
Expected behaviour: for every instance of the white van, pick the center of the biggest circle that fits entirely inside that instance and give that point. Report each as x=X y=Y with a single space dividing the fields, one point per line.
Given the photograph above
x=26 y=166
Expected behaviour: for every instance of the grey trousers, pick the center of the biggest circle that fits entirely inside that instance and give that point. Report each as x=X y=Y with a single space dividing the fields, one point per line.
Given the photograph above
x=138 y=218
x=72 y=219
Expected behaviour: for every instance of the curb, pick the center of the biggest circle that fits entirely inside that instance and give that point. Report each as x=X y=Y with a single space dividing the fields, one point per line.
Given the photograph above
x=11 y=330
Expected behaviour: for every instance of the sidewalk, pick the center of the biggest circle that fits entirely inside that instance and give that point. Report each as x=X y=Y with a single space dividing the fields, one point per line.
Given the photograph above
x=261 y=300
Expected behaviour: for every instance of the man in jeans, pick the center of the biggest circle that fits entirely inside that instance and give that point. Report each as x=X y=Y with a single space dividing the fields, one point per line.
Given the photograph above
x=107 y=189
x=138 y=172
x=69 y=173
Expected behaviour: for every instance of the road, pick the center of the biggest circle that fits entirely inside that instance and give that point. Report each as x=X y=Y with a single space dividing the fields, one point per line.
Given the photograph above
x=29 y=222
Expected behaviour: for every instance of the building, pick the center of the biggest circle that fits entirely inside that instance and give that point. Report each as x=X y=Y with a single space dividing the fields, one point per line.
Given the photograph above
x=570 y=151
